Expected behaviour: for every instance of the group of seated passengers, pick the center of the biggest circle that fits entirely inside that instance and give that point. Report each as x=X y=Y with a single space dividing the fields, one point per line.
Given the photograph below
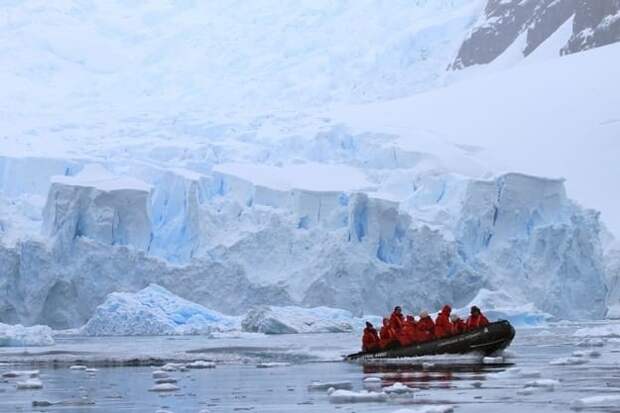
x=399 y=330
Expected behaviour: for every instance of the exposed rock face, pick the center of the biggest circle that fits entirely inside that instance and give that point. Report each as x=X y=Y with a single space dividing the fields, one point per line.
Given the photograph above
x=596 y=23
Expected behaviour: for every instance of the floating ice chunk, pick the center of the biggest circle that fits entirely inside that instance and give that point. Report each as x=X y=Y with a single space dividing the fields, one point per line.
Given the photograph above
x=609 y=330
x=428 y=409
x=587 y=353
x=492 y=360
x=372 y=379
x=166 y=380
x=543 y=383
x=591 y=342
x=163 y=411
x=20 y=373
x=427 y=365
x=291 y=320
x=201 y=364
x=602 y=401
x=69 y=402
x=154 y=311
x=336 y=385
x=20 y=336
x=521 y=373
x=78 y=367
x=398 y=388
x=173 y=367
x=91 y=370
x=568 y=361
x=349 y=396
x=164 y=387
x=30 y=384
x=159 y=374
x=271 y=365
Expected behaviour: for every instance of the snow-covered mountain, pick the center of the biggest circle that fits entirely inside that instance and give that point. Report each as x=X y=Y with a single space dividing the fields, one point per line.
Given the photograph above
x=561 y=26
x=249 y=153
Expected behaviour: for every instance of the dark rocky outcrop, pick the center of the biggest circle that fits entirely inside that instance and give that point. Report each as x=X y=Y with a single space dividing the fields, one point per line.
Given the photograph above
x=596 y=23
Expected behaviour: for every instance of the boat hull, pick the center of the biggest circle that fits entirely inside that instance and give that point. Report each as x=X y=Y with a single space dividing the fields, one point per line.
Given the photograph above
x=485 y=340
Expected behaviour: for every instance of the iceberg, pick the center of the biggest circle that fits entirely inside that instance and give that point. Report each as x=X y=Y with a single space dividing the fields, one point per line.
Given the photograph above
x=20 y=336
x=293 y=320
x=154 y=311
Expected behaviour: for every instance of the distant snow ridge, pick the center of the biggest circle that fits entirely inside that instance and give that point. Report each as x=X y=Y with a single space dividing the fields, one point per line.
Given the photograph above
x=154 y=311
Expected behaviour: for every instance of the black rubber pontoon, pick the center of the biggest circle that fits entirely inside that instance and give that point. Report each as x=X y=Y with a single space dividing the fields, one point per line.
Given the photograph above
x=485 y=340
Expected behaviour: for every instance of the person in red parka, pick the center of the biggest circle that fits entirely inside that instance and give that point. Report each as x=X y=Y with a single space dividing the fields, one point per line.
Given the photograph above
x=387 y=335
x=476 y=319
x=397 y=319
x=426 y=327
x=370 y=340
x=443 y=328
x=458 y=325
x=409 y=333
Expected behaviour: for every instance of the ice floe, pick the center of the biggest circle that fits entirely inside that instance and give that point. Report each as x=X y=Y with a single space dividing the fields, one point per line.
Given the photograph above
x=164 y=387
x=326 y=385
x=608 y=330
x=428 y=409
x=568 y=361
x=600 y=401
x=349 y=396
x=201 y=364
x=30 y=384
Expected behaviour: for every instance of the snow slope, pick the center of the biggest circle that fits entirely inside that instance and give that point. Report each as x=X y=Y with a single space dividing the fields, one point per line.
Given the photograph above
x=557 y=118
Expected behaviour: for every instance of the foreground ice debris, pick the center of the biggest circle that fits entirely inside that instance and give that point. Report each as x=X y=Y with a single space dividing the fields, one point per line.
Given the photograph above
x=269 y=365
x=398 y=388
x=154 y=311
x=337 y=385
x=291 y=320
x=349 y=396
x=428 y=409
x=201 y=364
x=30 y=384
x=20 y=373
x=611 y=330
x=601 y=401
x=568 y=361
x=164 y=387
x=20 y=336
x=548 y=384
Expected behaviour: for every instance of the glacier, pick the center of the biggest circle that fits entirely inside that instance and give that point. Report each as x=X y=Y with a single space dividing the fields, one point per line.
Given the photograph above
x=356 y=196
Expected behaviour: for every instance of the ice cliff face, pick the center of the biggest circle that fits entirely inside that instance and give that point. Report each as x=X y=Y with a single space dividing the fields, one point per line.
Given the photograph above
x=594 y=24
x=342 y=248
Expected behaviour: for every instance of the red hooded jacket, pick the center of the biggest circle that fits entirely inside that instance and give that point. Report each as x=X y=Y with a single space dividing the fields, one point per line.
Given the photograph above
x=426 y=328
x=370 y=340
x=443 y=327
x=409 y=334
x=387 y=334
x=397 y=320
x=476 y=321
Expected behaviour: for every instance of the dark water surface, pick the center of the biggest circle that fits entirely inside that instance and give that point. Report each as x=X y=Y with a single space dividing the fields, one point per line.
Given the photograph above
x=237 y=385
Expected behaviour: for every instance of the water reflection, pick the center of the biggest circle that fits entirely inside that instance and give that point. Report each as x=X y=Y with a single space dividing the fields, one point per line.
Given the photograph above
x=429 y=376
